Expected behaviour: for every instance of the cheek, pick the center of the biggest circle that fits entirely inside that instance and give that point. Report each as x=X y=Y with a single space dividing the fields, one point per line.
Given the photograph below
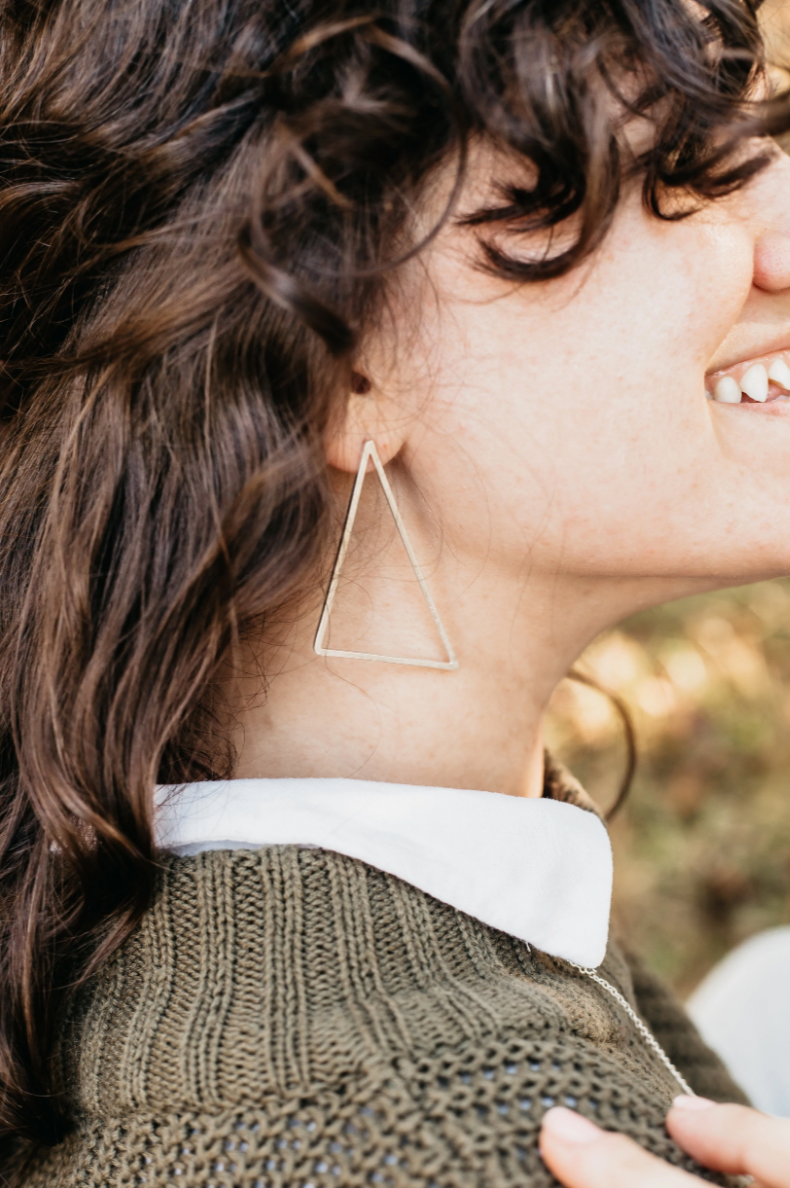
x=571 y=419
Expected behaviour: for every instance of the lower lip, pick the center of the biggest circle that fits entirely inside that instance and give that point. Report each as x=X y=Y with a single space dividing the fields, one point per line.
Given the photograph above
x=779 y=406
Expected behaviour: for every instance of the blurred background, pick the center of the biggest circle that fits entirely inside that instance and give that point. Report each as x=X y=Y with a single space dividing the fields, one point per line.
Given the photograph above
x=702 y=846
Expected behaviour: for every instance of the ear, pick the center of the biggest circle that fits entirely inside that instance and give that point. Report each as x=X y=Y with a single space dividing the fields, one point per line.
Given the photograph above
x=368 y=416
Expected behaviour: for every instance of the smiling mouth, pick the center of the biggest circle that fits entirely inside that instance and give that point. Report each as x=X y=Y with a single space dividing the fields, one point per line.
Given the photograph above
x=762 y=381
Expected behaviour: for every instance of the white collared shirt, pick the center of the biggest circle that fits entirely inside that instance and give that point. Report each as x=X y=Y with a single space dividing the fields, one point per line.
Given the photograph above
x=538 y=869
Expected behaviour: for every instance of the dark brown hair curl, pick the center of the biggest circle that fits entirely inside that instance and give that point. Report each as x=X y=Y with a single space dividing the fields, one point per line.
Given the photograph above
x=200 y=202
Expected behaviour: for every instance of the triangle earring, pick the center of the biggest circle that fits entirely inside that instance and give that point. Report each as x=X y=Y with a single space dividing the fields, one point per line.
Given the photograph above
x=451 y=663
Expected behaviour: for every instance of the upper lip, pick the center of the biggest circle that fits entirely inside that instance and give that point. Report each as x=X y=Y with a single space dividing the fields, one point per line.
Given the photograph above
x=771 y=347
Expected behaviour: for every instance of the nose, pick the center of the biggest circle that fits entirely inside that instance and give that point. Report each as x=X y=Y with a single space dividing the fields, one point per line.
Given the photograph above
x=771 y=269
x=772 y=261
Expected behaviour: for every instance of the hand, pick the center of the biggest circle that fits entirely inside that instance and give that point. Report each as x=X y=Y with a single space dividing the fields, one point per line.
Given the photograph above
x=726 y=1138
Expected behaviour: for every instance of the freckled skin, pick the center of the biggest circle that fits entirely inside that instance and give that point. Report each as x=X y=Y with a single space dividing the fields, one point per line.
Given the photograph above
x=559 y=466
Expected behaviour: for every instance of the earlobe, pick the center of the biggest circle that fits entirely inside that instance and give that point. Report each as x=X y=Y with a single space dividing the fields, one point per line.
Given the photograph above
x=364 y=419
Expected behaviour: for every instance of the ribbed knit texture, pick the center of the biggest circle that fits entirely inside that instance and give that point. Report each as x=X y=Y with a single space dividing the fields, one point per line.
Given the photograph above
x=293 y=1018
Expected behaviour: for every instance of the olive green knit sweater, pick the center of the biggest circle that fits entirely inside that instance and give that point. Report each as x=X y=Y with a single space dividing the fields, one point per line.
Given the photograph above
x=292 y=1018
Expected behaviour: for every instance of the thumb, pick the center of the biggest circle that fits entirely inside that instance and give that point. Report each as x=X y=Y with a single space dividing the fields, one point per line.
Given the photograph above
x=581 y=1155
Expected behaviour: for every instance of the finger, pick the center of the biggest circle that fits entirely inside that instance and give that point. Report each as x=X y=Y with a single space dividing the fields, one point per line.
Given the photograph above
x=581 y=1155
x=734 y=1139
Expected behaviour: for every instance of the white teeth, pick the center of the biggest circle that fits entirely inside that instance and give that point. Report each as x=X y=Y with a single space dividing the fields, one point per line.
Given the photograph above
x=754 y=382
x=779 y=372
x=727 y=391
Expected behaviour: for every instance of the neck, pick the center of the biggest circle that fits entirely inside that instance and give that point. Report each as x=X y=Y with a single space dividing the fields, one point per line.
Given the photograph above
x=478 y=727
x=516 y=630
x=409 y=726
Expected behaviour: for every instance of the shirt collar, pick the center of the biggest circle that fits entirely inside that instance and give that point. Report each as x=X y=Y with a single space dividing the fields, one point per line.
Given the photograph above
x=538 y=869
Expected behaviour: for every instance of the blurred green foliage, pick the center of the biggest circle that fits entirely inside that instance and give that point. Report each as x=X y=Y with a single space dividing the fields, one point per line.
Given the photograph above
x=702 y=847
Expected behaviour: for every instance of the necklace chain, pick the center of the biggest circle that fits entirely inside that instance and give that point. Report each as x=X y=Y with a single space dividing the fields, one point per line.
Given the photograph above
x=649 y=1038
x=646 y=1034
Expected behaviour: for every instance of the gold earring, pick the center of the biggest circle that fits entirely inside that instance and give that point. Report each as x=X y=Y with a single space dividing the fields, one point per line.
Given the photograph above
x=451 y=663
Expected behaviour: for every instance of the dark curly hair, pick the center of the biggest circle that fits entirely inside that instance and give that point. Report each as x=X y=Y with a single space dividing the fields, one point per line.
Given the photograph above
x=201 y=202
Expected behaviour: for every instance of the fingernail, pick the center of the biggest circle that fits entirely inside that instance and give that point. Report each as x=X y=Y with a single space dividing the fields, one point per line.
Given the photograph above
x=692 y=1103
x=569 y=1126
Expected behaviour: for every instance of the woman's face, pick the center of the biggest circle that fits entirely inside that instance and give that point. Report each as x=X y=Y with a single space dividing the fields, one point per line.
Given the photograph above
x=566 y=428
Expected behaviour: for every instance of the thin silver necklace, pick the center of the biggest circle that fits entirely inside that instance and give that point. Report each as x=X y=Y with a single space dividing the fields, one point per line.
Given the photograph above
x=645 y=1033
x=650 y=1039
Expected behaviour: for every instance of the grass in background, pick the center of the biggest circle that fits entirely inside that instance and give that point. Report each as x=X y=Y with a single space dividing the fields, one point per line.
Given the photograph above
x=702 y=847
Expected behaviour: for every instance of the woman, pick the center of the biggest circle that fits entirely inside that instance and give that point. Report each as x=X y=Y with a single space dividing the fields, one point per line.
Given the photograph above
x=289 y=895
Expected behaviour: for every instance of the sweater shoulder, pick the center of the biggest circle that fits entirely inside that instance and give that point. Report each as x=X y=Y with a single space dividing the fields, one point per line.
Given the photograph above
x=293 y=1017
x=457 y=1117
